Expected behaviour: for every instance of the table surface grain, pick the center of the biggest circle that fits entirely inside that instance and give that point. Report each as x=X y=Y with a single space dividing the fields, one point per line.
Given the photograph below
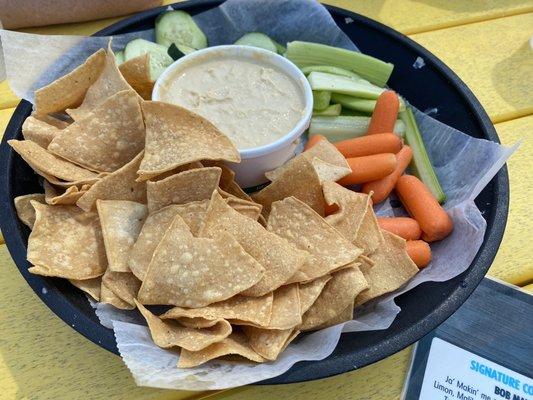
x=485 y=43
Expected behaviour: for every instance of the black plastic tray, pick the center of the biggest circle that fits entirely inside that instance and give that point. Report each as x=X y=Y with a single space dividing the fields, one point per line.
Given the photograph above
x=423 y=308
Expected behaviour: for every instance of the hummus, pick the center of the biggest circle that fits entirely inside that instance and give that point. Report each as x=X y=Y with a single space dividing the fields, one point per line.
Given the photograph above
x=251 y=102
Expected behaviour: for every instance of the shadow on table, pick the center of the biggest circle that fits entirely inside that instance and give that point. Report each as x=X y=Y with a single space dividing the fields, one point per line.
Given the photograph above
x=462 y=6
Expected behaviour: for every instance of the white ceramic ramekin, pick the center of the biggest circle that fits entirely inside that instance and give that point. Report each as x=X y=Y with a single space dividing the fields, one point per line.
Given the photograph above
x=258 y=160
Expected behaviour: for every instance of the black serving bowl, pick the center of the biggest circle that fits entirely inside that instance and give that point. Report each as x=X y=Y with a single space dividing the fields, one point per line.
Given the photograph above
x=423 y=308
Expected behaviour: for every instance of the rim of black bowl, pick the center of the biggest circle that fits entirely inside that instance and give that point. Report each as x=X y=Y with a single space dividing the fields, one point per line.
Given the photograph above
x=104 y=337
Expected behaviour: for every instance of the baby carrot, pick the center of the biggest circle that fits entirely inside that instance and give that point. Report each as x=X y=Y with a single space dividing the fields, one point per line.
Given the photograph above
x=420 y=203
x=404 y=227
x=312 y=141
x=383 y=187
x=385 y=113
x=369 y=168
x=419 y=251
x=370 y=144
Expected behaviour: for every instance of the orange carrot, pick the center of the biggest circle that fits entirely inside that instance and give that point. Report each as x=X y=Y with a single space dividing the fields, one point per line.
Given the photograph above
x=330 y=209
x=313 y=140
x=370 y=144
x=383 y=187
x=420 y=203
x=369 y=168
x=419 y=251
x=404 y=227
x=385 y=113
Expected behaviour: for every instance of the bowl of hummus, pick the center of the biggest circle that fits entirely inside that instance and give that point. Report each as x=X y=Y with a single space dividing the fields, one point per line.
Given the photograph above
x=257 y=98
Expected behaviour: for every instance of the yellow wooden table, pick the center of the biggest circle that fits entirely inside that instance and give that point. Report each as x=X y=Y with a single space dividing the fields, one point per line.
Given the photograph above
x=485 y=43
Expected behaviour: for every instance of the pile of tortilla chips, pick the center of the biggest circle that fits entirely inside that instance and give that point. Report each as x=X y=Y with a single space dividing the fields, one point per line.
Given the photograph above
x=140 y=208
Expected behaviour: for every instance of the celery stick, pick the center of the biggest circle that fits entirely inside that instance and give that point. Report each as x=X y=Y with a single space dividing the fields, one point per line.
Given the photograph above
x=354 y=103
x=305 y=54
x=345 y=127
x=321 y=100
x=344 y=85
x=332 y=110
x=330 y=70
x=421 y=164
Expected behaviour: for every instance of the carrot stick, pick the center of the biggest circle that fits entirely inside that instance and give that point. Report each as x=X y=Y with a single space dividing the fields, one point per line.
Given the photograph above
x=420 y=203
x=385 y=113
x=419 y=251
x=383 y=187
x=404 y=227
x=313 y=140
x=370 y=144
x=369 y=168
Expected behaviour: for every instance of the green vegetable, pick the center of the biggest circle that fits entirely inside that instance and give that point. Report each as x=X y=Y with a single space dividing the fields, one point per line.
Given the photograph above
x=257 y=39
x=321 y=100
x=279 y=47
x=305 y=54
x=119 y=57
x=343 y=85
x=344 y=127
x=421 y=164
x=330 y=70
x=178 y=27
x=332 y=110
x=354 y=103
x=159 y=58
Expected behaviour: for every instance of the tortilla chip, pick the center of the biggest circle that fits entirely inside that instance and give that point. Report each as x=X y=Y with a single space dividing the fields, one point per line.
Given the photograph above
x=155 y=227
x=299 y=180
x=339 y=293
x=269 y=343
x=108 y=138
x=227 y=180
x=247 y=208
x=234 y=344
x=123 y=284
x=47 y=164
x=393 y=268
x=285 y=308
x=25 y=210
x=299 y=224
x=310 y=291
x=67 y=197
x=109 y=83
x=176 y=136
x=343 y=316
x=107 y=296
x=121 y=222
x=90 y=286
x=67 y=242
x=198 y=322
x=184 y=187
x=193 y=272
x=366 y=263
x=329 y=163
x=239 y=310
x=38 y=131
x=278 y=257
x=69 y=90
x=137 y=73
x=51 y=120
x=118 y=185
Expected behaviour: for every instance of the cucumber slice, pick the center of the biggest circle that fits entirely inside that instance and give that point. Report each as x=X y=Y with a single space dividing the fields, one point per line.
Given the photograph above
x=178 y=27
x=159 y=58
x=177 y=51
x=279 y=47
x=257 y=39
x=343 y=85
x=119 y=57
x=321 y=100
x=330 y=70
x=332 y=111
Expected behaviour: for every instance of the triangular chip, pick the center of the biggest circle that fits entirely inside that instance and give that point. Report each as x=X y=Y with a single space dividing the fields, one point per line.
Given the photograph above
x=343 y=316
x=121 y=222
x=310 y=291
x=247 y=208
x=339 y=293
x=176 y=136
x=329 y=162
x=227 y=180
x=299 y=180
x=278 y=257
x=392 y=269
x=67 y=242
x=123 y=284
x=269 y=343
x=69 y=90
x=193 y=272
x=90 y=286
x=48 y=164
x=51 y=120
x=107 y=296
x=184 y=187
x=137 y=73
x=302 y=226
x=118 y=185
x=25 y=210
x=38 y=131
x=155 y=227
x=234 y=344
x=69 y=196
x=366 y=263
x=239 y=310
x=109 y=83
x=198 y=322
x=108 y=138
x=285 y=308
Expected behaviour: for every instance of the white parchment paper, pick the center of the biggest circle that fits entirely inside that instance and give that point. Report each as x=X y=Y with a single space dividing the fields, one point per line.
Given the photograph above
x=464 y=165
